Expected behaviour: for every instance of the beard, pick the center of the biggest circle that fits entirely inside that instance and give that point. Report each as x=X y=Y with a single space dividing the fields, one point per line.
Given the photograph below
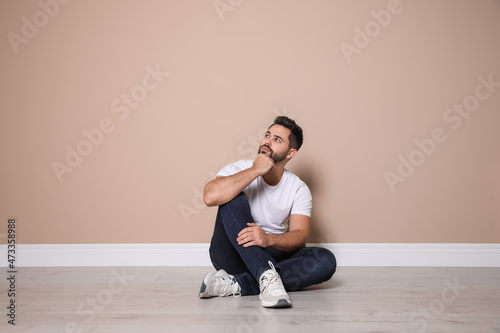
x=275 y=157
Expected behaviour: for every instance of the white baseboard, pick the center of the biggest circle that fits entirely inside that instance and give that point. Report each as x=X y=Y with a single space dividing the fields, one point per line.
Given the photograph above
x=196 y=254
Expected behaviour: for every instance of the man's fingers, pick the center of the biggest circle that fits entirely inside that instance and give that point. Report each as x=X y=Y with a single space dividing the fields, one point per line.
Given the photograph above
x=243 y=239
x=250 y=243
x=244 y=231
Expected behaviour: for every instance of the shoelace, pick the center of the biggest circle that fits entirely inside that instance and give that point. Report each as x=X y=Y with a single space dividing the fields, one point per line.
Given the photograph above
x=226 y=287
x=269 y=277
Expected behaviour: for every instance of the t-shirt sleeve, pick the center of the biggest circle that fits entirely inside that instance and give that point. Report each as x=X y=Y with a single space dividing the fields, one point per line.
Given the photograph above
x=302 y=203
x=233 y=168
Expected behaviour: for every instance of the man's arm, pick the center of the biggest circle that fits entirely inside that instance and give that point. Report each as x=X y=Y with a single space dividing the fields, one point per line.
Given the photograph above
x=224 y=189
x=292 y=240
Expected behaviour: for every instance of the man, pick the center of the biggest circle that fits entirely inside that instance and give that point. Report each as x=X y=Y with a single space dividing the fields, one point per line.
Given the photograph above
x=262 y=225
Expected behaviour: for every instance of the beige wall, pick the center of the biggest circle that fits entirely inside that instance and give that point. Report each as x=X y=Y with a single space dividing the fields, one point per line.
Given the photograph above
x=362 y=102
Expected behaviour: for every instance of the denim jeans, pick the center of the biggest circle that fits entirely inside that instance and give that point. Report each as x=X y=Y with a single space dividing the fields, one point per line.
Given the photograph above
x=299 y=269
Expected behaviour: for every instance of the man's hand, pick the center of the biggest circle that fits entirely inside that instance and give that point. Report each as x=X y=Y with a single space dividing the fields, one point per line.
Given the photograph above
x=253 y=235
x=263 y=164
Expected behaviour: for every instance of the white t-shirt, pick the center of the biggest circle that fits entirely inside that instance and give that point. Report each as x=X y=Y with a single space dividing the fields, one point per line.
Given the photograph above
x=271 y=206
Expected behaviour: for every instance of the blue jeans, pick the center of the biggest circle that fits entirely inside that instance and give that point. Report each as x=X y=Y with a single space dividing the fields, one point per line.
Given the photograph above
x=299 y=269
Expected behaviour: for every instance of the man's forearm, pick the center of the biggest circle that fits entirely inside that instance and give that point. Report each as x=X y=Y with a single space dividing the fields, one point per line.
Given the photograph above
x=289 y=241
x=223 y=189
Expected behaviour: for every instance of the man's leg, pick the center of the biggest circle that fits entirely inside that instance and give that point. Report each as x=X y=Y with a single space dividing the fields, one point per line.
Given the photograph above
x=224 y=256
x=234 y=216
x=222 y=253
x=245 y=263
x=253 y=261
x=306 y=267
x=303 y=268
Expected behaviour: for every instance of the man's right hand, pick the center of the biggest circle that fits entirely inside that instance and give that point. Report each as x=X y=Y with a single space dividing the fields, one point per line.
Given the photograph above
x=262 y=164
x=223 y=189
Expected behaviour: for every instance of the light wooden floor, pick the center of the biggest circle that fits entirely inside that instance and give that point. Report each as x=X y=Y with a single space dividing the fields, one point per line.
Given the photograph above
x=164 y=299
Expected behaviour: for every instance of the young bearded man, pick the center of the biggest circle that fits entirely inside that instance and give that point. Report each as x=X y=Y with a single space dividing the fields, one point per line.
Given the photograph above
x=262 y=225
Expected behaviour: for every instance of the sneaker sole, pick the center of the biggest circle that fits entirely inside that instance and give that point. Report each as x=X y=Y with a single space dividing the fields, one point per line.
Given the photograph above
x=282 y=303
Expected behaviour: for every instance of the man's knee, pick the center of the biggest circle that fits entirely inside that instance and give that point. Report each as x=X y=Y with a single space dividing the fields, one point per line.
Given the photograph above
x=240 y=200
x=326 y=259
x=238 y=204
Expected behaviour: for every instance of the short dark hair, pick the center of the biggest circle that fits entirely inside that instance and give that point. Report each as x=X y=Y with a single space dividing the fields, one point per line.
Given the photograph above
x=296 y=137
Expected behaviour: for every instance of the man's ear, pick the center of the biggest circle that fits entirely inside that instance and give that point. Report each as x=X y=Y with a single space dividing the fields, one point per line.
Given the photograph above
x=291 y=153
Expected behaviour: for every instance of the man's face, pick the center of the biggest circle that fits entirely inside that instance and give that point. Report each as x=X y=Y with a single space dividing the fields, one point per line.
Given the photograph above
x=275 y=143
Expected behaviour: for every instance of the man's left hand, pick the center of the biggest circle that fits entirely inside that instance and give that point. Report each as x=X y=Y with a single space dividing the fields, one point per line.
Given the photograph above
x=253 y=235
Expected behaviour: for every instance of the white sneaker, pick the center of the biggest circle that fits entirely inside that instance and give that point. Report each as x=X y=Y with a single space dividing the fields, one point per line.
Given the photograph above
x=219 y=284
x=272 y=291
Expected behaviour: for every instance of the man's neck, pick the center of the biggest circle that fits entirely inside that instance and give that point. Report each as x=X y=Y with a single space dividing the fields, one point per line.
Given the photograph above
x=273 y=177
